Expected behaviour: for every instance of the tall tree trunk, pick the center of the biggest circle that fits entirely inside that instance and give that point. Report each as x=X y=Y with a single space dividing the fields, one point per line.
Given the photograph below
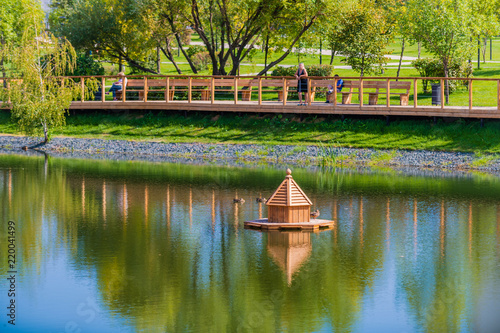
x=332 y=56
x=485 y=44
x=188 y=58
x=158 y=60
x=287 y=52
x=320 y=52
x=447 y=87
x=177 y=35
x=419 y=45
x=168 y=53
x=120 y=64
x=266 y=52
x=401 y=57
x=4 y=74
x=478 y=53
x=45 y=132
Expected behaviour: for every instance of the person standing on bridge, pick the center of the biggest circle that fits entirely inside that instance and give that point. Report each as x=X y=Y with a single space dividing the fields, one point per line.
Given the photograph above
x=301 y=76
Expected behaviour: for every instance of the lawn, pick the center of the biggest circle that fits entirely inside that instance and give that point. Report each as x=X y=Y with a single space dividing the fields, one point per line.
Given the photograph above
x=458 y=135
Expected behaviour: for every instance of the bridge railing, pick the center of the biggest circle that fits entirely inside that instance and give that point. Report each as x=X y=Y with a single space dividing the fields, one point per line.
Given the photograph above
x=362 y=92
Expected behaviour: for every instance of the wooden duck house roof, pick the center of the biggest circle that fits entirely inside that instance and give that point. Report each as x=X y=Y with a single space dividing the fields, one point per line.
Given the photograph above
x=289 y=194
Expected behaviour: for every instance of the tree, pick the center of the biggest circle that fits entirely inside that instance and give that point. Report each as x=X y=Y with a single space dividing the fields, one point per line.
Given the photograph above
x=366 y=31
x=15 y=18
x=113 y=29
x=444 y=27
x=230 y=29
x=39 y=98
x=486 y=23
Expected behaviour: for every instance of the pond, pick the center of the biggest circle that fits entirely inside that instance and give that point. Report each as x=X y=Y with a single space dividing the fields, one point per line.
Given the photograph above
x=108 y=246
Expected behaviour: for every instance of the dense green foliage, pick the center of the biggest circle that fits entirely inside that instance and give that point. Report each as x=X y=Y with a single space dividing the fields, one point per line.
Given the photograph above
x=312 y=70
x=86 y=65
x=434 y=68
x=365 y=31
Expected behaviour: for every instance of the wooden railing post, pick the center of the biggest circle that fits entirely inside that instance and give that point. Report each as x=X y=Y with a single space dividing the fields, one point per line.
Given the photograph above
x=260 y=90
x=284 y=92
x=212 y=90
x=9 y=100
x=124 y=89
x=82 y=82
x=360 y=92
x=235 y=90
x=309 y=90
x=103 y=89
x=334 y=91
x=498 y=95
x=145 y=89
x=167 y=86
x=388 y=92
x=190 y=88
x=415 y=93
x=470 y=94
x=442 y=93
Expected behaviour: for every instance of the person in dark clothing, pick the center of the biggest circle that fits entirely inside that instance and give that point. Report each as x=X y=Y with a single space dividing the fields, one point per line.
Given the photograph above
x=301 y=76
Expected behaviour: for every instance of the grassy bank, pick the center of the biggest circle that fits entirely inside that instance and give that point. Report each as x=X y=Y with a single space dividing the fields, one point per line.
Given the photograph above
x=457 y=135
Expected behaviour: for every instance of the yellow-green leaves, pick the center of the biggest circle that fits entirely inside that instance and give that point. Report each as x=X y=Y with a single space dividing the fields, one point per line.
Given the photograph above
x=39 y=98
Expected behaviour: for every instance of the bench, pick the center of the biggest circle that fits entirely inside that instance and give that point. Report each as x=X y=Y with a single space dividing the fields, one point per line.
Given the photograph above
x=377 y=85
x=321 y=84
x=160 y=85
x=277 y=84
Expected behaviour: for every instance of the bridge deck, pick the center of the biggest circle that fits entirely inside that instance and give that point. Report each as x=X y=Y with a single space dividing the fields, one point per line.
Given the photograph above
x=292 y=107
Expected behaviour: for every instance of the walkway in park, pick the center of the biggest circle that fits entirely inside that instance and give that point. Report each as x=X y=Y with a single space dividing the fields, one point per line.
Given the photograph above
x=383 y=96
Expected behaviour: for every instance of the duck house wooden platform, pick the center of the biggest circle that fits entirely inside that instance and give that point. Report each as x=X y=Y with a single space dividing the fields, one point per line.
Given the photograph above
x=312 y=225
x=289 y=208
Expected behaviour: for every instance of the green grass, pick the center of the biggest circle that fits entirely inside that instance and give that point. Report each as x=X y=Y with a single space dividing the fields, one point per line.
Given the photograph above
x=459 y=135
x=482 y=160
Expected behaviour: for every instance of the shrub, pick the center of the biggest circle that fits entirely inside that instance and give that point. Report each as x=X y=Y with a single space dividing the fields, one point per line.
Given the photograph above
x=434 y=68
x=312 y=70
x=86 y=65
x=186 y=36
x=201 y=60
x=195 y=49
x=319 y=70
x=284 y=71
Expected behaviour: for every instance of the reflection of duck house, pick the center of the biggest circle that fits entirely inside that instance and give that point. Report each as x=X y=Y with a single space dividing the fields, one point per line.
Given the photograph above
x=289 y=250
x=289 y=208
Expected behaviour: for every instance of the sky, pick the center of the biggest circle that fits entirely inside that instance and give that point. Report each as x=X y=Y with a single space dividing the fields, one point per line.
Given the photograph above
x=45 y=5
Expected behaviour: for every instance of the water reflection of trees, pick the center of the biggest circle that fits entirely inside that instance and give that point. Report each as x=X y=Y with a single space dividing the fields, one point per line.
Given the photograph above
x=174 y=257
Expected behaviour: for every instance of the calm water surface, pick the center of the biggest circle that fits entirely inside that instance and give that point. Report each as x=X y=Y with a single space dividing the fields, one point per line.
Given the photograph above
x=149 y=247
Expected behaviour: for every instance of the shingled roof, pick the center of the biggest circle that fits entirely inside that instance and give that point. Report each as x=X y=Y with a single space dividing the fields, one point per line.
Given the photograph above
x=289 y=194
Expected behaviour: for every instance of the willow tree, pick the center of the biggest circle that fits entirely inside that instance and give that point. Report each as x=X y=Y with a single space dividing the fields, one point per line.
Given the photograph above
x=39 y=98
x=15 y=17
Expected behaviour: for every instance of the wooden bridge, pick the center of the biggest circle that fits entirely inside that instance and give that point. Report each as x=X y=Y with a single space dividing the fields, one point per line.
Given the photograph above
x=382 y=96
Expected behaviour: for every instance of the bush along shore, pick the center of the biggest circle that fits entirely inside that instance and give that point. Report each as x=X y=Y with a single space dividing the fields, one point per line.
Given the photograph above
x=310 y=155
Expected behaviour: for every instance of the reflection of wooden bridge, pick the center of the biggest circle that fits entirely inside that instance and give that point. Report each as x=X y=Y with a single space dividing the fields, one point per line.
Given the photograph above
x=367 y=96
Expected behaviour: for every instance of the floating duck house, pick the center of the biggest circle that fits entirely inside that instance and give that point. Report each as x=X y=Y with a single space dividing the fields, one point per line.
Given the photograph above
x=289 y=204
x=289 y=208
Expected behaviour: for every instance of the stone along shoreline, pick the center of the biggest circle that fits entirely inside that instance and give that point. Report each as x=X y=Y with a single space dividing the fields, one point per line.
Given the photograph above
x=320 y=155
